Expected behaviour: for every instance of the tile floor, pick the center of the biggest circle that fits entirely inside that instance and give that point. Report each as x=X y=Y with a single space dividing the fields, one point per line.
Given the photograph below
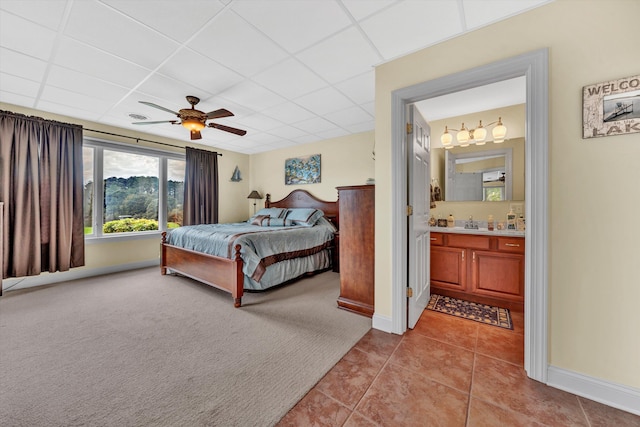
x=445 y=372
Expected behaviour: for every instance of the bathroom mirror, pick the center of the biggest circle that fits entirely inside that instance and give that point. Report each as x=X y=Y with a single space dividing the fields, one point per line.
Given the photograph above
x=482 y=173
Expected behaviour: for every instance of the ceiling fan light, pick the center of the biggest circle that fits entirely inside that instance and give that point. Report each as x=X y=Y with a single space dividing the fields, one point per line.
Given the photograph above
x=499 y=132
x=193 y=125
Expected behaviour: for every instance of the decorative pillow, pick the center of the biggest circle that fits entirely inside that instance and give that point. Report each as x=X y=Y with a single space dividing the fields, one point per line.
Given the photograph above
x=276 y=222
x=304 y=216
x=257 y=220
x=270 y=212
x=323 y=220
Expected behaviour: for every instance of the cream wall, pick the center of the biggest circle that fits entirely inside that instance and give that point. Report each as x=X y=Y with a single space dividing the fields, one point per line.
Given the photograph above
x=593 y=267
x=346 y=160
x=105 y=254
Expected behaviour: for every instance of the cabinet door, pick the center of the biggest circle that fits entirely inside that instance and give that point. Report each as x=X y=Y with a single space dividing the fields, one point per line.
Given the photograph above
x=448 y=268
x=497 y=274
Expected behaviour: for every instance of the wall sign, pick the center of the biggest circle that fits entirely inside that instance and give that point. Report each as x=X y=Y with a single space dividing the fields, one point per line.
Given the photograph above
x=611 y=108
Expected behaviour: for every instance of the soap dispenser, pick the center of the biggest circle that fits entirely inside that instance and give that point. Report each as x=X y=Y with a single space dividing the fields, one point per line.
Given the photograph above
x=511 y=220
x=451 y=221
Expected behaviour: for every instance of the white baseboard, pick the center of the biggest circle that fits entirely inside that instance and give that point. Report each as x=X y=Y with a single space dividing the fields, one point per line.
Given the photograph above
x=76 y=273
x=615 y=395
x=382 y=323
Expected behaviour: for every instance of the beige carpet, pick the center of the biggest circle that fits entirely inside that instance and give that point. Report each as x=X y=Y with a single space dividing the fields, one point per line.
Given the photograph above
x=141 y=349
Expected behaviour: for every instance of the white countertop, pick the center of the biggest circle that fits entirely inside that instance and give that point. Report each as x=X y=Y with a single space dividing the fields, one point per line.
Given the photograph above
x=481 y=231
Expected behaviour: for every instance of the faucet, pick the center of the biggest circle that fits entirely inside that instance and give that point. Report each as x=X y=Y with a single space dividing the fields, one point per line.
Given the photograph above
x=471 y=225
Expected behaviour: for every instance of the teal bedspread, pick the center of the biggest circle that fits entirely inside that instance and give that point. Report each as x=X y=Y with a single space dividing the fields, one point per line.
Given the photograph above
x=270 y=254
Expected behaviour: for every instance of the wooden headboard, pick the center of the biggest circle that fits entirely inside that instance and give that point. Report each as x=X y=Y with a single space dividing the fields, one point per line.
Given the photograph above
x=304 y=199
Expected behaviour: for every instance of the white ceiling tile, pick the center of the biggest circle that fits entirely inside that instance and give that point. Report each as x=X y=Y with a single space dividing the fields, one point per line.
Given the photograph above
x=359 y=89
x=294 y=24
x=199 y=71
x=44 y=12
x=17 y=99
x=74 y=100
x=262 y=138
x=78 y=112
x=361 y=9
x=177 y=21
x=19 y=86
x=106 y=66
x=289 y=112
x=482 y=13
x=83 y=83
x=369 y=107
x=332 y=133
x=26 y=37
x=324 y=101
x=170 y=90
x=283 y=143
x=123 y=36
x=261 y=122
x=315 y=125
x=349 y=116
x=21 y=65
x=412 y=24
x=328 y=57
x=249 y=93
x=231 y=41
x=290 y=79
x=287 y=132
x=307 y=139
x=361 y=127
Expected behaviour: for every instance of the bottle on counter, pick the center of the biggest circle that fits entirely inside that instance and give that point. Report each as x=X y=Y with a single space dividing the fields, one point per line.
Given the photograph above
x=511 y=220
x=520 y=224
x=451 y=222
x=490 y=223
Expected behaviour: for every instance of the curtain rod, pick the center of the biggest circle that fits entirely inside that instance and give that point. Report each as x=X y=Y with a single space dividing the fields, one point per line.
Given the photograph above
x=137 y=139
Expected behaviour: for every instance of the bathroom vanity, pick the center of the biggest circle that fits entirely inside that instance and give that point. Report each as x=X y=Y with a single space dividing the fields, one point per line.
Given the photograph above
x=481 y=266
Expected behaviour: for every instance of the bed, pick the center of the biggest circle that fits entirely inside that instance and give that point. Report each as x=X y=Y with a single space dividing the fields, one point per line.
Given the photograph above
x=224 y=266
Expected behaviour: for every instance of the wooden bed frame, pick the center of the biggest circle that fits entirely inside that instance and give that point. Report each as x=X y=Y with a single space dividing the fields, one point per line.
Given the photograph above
x=226 y=273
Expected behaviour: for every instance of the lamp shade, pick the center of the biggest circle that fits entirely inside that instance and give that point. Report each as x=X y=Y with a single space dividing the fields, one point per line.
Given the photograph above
x=479 y=134
x=254 y=195
x=463 y=135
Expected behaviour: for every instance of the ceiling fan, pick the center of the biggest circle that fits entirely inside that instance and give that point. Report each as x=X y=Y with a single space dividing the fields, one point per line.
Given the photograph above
x=194 y=120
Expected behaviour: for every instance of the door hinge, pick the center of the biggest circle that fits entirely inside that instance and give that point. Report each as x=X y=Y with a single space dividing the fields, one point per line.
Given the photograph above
x=409 y=292
x=409 y=210
x=409 y=128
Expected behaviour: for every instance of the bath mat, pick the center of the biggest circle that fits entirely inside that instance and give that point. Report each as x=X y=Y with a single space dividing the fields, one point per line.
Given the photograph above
x=487 y=314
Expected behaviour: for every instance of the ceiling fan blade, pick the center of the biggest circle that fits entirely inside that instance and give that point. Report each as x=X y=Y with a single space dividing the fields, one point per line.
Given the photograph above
x=151 y=104
x=228 y=129
x=219 y=113
x=153 y=123
x=195 y=134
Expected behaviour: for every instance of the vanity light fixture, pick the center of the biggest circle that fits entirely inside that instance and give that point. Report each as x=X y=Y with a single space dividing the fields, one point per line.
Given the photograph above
x=474 y=136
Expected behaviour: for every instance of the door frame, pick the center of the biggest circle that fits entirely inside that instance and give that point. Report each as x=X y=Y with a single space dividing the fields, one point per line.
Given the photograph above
x=534 y=66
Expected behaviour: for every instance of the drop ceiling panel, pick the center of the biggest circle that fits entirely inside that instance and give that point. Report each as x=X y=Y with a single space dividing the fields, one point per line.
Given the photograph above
x=123 y=37
x=170 y=90
x=478 y=14
x=324 y=101
x=17 y=64
x=18 y=85
x=199 y=71
x=361 y=9
x=249 y=93
x=83 y=83
x=178 y=22
x=359 y=89
x=290 y=79
x=288 y=112
x=327 y=58
x=12 y=34
x=44 y=12
x=75 y=100
x=350 y=116
x=17 y=99
x=68 y=110
x=294 y=24
x=315 y=125
x=89 y=60
x=232 y=41
x=412 y=24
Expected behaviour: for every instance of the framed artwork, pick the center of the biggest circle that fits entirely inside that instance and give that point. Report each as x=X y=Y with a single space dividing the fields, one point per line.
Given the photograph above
x=611 y=108
x=302 y=170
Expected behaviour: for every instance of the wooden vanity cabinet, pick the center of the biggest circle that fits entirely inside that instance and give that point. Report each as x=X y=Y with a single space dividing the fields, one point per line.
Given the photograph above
x=483 y=269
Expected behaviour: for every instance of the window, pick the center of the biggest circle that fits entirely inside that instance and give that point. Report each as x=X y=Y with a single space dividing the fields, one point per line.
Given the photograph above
x=141 y=189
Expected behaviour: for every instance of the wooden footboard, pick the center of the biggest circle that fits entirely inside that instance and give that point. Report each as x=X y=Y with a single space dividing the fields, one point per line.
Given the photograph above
x=222 y=273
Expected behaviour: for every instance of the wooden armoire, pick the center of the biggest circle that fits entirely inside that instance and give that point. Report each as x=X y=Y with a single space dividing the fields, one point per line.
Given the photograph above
x=357 y=255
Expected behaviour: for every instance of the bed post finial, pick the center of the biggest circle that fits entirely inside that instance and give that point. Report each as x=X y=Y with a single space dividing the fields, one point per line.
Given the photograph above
x=267 y=201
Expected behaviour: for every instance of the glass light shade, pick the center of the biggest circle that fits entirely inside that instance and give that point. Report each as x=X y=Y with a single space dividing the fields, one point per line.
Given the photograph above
x=463 y=135
x=446 y=137
x=193 y=125
x=499 y=132
x=480 y=134
x=464 y=144
x=481 y=142
x=448 y=147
